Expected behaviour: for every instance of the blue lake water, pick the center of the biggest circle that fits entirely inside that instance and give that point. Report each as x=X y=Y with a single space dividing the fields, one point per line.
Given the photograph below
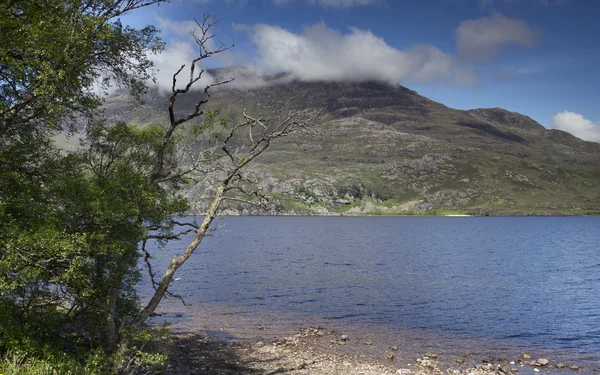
x=477 y=285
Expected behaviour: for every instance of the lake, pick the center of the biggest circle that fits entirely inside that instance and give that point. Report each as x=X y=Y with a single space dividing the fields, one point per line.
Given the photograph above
x=484 y=286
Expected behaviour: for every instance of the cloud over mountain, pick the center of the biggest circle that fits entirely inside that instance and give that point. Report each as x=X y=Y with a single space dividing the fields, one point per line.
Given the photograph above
x=480 y=40
x=321 y=53
x=577 y=125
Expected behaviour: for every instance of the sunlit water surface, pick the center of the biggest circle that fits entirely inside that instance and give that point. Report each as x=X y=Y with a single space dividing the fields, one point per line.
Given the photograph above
x=482 y=286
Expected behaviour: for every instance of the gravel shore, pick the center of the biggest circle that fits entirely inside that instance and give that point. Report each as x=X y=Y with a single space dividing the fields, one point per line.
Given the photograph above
x=316 y=351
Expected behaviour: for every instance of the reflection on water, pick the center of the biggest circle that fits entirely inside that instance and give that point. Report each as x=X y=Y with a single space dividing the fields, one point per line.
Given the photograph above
x=488 y=285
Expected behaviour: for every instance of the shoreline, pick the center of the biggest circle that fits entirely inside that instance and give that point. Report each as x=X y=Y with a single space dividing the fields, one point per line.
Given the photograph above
x=252 y=289
x=334 y=214
x=317 y=351
x=226 y=343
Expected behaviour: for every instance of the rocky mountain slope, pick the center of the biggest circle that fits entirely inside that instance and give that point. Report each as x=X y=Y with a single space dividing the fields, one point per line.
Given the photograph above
x=387 y=150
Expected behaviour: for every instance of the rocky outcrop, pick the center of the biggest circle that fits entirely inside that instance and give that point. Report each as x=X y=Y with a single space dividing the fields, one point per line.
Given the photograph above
x=382 y=149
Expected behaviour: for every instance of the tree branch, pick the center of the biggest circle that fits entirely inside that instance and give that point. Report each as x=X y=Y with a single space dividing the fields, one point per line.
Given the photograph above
x=201 y=40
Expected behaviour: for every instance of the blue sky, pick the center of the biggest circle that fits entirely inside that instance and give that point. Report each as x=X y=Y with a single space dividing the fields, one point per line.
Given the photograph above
x=537 y=57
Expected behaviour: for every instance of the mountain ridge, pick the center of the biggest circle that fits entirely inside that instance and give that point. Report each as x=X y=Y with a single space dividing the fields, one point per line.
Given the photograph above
x=384 y=149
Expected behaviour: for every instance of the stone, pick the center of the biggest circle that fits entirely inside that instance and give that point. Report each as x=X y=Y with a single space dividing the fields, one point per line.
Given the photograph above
x=543 y=361
x=574 y=368
x=460 y=361
x=536 y=369
x=511 y=363
x=368 y=342
x=427 y=363
x=344 y=337
x=320 y=333
x=526 y=356
x=394 y=348
x=390 y=356
x=431 y=355
x=560 y=365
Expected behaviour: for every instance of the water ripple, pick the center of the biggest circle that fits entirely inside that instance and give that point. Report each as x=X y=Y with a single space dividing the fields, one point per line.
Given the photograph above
x=523 y=281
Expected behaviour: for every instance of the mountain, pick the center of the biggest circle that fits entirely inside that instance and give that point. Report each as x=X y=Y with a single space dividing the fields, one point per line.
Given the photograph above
x=384 y=149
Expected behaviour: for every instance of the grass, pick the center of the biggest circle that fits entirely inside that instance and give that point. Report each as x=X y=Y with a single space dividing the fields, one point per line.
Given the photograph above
x=498 y=176
x=18 y=363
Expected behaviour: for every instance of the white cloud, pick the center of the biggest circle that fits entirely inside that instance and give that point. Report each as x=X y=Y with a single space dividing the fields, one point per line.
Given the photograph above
x=577 y=125
x=316 y=53
x=321 y=53
x=176 y=28
x=333 y=3
x=181 y=50
x=176 y=54
x=480 y=40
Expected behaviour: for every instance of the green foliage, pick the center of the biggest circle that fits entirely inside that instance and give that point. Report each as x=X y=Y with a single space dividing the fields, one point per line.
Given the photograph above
x=70 y=223
x=213 y=121
x=147 y=355
x=75 y=260
x=52 y=52
x=149 y=349
x=306 y=193
x=18 y=363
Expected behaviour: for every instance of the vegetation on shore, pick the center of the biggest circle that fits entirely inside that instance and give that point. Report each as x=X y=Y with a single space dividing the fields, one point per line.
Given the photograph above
x=71 y=221
x=74 y=223
x=388 y=150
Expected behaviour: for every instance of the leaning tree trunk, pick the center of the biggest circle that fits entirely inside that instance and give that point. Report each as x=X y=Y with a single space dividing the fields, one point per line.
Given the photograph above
x=231 y=183
x=123 y=342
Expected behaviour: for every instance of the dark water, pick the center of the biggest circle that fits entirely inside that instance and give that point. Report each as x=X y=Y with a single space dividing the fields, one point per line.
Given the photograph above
x=497 y=286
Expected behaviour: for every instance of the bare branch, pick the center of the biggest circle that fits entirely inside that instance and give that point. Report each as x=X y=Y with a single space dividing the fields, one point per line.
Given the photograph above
x=147 y=257
x=158 y=174
x=252 y=203
x=175 y=80
x=195 y=226
x=178 y=296
x=231 y=186
x=172 y=222
x=197 y=112
x=175 y=236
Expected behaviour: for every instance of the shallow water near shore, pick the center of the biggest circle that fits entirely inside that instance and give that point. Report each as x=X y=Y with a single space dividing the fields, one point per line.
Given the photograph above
x=485 y=287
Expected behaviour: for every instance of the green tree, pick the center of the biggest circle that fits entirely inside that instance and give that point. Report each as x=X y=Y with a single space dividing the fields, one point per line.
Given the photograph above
x=52 y=52
x=70 y=223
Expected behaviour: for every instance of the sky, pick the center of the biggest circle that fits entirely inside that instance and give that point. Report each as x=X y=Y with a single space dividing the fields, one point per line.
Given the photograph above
x=540 y=58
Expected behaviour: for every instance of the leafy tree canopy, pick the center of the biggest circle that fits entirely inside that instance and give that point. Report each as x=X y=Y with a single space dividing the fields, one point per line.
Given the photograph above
x=70 y=223
x=52 y=53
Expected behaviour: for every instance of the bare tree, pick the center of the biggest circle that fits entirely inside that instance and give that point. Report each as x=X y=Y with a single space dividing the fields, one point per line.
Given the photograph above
x=258 y=134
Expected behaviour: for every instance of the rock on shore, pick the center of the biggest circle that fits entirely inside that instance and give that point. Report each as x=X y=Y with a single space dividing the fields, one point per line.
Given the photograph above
x=303 y=353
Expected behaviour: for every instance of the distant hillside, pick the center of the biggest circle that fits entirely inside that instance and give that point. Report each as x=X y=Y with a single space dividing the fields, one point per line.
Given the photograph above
x=389 y=150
